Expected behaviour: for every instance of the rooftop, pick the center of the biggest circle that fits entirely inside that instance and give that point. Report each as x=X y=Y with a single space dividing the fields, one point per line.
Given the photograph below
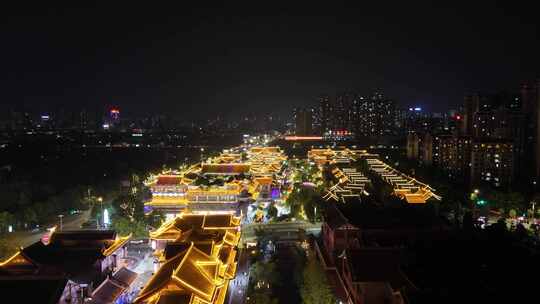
x=378 y=265
x=69 y=253
x=199 y=259
x=334 y=218
x=173 y=229
x=169 y=180
x=193 y=274
x=113 y=287
x=33 y=289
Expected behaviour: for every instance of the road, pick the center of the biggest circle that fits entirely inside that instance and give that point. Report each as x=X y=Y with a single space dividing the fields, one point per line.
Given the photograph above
x=26 y=238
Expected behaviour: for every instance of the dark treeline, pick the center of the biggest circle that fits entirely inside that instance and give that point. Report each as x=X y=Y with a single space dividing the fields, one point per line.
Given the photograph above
x=37 y=183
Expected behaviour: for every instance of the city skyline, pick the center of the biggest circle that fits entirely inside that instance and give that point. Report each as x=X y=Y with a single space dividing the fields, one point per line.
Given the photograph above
x=263 y=153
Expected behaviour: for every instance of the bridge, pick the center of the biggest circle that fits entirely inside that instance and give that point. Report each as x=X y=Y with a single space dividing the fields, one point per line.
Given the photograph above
x=280 y=230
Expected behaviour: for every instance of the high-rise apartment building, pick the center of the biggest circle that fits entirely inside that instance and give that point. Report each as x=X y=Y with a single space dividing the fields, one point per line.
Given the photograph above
x=303 y=118
x=415 y=119
x=471 y=107
x=374 y=116
x=502 y=117
x=326 y=112
x=530 y=95
x=453 y=154
x=422 y=147
x=83 y=119
x=342 y=109
x=496 y=142
x=492 y=162
x=353 y=114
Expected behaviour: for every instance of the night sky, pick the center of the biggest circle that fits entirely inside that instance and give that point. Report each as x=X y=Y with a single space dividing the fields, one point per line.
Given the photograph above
x=239 y=58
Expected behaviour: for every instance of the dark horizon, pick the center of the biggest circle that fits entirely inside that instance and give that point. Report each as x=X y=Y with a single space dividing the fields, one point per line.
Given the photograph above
x=200 y=62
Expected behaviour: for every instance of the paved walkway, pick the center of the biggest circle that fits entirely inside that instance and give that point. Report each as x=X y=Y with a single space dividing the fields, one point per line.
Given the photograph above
x=238 y=287
x=144 y=269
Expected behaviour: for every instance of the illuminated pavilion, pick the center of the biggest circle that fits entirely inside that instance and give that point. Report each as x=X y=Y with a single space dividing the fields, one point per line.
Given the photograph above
x=265 y=161
x=174 y=229
x=173 y=193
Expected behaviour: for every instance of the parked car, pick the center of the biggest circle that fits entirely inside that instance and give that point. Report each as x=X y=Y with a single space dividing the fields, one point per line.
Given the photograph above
x=89 y=224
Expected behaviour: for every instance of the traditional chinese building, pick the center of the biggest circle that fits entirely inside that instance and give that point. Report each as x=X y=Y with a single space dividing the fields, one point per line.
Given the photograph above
x=219 y=184
x=335 y=156
x=173 y=194
x=406 y=187
x=72 y=264
x=373 y=275
x=265 y=161
x=197 y=254
x=360 y=272
x=338 y=234
x=187 y=223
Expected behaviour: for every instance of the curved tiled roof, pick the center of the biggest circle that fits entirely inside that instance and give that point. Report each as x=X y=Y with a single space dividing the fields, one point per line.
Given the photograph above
x=169 y=180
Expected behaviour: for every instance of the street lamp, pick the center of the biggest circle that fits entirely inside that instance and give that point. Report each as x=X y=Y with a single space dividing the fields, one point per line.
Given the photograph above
x=474 y=194
x=100 y=200
x=474 y=200
x=61 y=216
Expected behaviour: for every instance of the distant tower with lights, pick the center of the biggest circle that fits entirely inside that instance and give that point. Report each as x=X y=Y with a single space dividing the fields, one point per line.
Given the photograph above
x=112 y=118
x=114 y=114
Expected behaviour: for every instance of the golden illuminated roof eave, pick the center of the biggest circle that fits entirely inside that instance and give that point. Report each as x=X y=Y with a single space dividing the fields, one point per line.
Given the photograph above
x=7 y=261
x=203 y=276
x=119 y=242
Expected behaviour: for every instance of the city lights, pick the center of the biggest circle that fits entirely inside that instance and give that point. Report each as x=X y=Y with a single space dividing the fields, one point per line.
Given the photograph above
x=370 y=152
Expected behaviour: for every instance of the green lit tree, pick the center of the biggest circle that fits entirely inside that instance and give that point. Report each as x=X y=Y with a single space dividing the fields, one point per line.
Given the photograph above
x=315 y=288
x=306 y=198
x=7 y=248
x=264 y=274
x=124 y=226
x=6 y=219
x=30 y=215
x=272 y=211
x=261 y=297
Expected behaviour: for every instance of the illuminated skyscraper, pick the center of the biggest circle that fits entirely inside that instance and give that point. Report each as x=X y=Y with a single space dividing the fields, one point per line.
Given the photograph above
x=374 y=116
x=354 y=114
x=342 y=109
x=326 y=111
x=114 y=115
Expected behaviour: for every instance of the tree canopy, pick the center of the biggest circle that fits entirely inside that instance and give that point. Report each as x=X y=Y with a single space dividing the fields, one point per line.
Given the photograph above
x=315 y=288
